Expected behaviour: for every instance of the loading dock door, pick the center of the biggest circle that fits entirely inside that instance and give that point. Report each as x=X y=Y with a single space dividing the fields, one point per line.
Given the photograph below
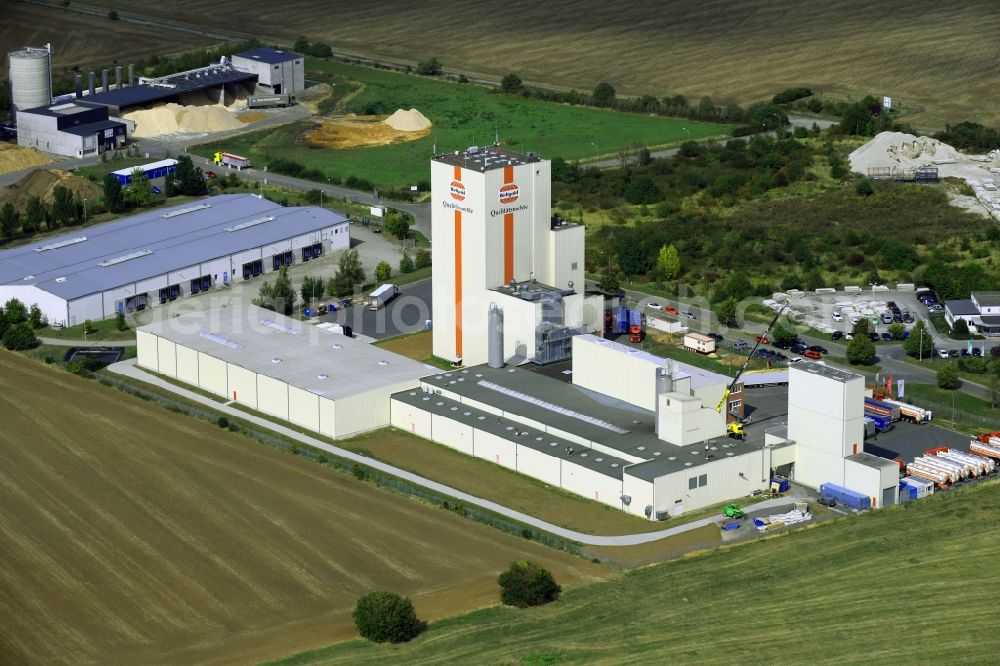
x=890 y=496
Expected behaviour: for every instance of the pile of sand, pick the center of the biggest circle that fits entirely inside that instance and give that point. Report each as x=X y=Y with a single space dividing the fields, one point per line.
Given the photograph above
x=173 y=118
x=17 y=158
x=359 y=132
x=898 y=149
x=42 y=182
x=408 y=121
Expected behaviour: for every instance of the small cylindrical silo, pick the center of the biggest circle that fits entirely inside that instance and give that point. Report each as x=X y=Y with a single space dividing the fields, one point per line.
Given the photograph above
x=30 y=77
x=92 y=82
x=104 y=80
x=131 y=74
x=664 y=384
x=118 y=77
x=495 y=337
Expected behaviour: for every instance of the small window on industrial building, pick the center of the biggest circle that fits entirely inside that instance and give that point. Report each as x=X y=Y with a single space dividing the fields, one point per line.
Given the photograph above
x=692 y=483
x=734 y=405
x=277 y=66
x=703 y=480
x=573 y=266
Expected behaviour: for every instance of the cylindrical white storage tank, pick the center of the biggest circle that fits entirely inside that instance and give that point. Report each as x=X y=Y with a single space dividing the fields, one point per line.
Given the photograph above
x=30 y=77
x=495 y=337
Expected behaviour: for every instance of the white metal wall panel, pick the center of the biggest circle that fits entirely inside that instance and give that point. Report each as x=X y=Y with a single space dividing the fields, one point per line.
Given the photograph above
x=183 y=277
x=272 y=396
x=782 y=455
x=111 y=297
x=217 y=269
x=452 y=434
x=411 y=419
x=213 y=375
x=187 y=364
x=538 y=465
x=863 y=479
x=495 y=449
x=641 y=493
x=147 y=355
x=366 y=411
x=813 y=467
x=86 y=307
x=327 y=417
x=242 y=385
x=244 y=257
x=726 y=478
x=303 y=408
x=482 y=406
x=167 y=354
x=152 y=287
x=591 y=484
x=275 y=248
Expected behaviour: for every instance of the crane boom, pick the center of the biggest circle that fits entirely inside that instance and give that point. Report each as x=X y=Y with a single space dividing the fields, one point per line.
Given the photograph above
x=760 y=338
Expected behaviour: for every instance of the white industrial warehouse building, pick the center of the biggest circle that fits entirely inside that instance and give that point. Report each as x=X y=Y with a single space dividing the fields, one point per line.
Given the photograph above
x=160 y=255
x=278 y=72
x=314 y=378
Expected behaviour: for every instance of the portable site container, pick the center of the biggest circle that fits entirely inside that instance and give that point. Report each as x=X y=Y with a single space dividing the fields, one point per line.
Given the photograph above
x=845 y=496
x=922 y=487
x=907 y=492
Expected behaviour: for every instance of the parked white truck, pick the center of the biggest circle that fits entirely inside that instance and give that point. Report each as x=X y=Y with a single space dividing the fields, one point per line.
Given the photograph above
x=378 y=298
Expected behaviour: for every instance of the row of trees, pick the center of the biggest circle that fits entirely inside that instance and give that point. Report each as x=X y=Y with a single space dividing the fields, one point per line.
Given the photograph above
x=315 y=49
x=66 y=211
x=386 y=617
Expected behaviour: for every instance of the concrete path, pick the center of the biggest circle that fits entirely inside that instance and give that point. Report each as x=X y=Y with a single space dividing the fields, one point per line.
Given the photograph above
x=129 y=369
x=59 y=342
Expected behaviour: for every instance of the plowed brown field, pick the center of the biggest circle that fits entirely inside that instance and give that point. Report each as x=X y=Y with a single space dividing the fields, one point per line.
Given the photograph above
x=134 y=535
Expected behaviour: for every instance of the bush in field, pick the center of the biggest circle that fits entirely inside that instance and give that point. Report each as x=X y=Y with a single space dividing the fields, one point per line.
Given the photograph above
x=526 y=584
x=386 y=617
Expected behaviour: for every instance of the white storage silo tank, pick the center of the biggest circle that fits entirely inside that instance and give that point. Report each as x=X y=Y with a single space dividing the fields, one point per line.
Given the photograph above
x=495 y=337
x=30 y=77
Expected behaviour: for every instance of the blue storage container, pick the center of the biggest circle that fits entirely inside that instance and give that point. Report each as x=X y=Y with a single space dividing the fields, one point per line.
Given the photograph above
x=783 y=484
x=845 y=496
x=907 y=492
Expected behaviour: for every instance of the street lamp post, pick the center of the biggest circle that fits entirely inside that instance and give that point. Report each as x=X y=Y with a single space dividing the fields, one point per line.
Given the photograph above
x=597 y=153
x=687 y=132
x=85 y=210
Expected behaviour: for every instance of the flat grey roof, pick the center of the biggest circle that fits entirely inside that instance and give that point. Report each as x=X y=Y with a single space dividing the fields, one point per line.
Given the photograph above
x=638 y=439
x=69 y=265
x=486 y=158
x=173 y=87
x=310 y=358
x=870 y=460
x=92 y=128
x=824 y=370
x=515 y=432
x=63 y=108
x=987 y=298
x=269 y=56
x=962 y=307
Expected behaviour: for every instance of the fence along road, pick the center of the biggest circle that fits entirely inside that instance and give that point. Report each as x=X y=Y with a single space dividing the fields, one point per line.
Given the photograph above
x=128 y=369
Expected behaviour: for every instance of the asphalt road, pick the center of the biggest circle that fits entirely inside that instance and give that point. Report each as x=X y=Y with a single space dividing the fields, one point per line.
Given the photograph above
x=129 y=369
x=404 y=314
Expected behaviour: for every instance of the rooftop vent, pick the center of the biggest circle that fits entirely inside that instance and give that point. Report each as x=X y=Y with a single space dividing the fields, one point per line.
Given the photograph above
x=338 y=346
x=124 y=258
x=185 y=211
x=219 y=340
x=56 y=246
x=251 y=223
x=275 y=360
x=383 y=362
x=323 y=375
x=60 y=279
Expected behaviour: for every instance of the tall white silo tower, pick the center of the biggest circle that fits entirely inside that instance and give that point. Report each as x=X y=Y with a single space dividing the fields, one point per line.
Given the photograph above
x=30 y=71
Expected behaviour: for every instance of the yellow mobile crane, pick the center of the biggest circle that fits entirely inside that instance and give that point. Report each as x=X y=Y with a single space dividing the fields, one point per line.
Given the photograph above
x=735 y=429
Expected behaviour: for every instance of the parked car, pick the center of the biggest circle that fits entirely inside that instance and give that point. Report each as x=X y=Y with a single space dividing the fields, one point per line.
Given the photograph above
x=794 y=359
x=155 y=190
x=670 y=310
x=782 y=344
x=966 y=352
x=836 y=335
x=817 y=348
x=848 y=336
x=907 y=318
x=688 y=314
x=838 y=317
x=897 y=317
x=762 y=339
x=814 y=355
x=715 y=336
x=887 y=337
x=210 y=174
x=943 y=353
x=654 y=305
x=874 y=337
x=977 y=351
x=953 y=353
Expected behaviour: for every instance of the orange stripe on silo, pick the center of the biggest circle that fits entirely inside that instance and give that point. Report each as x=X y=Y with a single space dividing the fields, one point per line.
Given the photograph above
x=508 y=247
x=457 y=174
x=508 y=233
x=458 y=279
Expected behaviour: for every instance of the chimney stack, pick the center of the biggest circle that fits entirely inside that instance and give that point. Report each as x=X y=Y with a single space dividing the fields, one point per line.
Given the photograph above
x=118 y=77
x=131 y=74
x=91 y=78
x=104 y=80
x=79 y=86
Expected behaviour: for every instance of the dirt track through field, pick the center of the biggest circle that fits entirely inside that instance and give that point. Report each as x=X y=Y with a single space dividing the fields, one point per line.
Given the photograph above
x=134 y=535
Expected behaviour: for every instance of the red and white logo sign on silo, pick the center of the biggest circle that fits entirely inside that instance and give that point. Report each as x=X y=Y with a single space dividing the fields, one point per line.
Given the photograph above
x=457 y=190
x=509 y=193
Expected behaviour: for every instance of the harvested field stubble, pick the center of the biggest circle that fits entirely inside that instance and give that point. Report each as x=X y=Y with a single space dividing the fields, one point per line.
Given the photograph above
x=135 y=535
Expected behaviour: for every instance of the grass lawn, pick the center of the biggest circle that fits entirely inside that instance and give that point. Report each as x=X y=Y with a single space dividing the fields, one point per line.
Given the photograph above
x=743 y=601
x=102 y=329
x=463 y=115
x=922 y=393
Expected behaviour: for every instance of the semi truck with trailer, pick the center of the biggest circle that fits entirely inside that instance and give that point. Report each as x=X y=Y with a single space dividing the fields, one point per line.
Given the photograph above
x=881 y=423
x=269 y=101
x=378 y=298
x=634 y=326
x=912 y=413
x=881 y=408
x=231 y=161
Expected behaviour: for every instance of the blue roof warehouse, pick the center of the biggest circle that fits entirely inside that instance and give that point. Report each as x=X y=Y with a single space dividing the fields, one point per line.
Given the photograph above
x=152 y=258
